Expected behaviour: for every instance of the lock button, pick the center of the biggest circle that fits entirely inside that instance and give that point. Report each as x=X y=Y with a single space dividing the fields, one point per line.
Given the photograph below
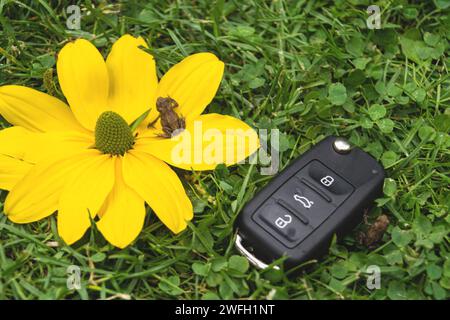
x=328 y=180
x=289 y=229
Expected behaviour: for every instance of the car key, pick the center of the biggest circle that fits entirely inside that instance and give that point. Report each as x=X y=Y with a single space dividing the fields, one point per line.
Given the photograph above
x=325 y=191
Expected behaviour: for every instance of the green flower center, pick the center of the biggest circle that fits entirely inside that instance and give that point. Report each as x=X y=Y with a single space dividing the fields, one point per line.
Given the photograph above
x=112 y=134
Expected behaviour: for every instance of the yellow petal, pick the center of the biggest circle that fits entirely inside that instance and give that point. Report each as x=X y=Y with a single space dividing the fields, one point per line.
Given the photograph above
x=35 y=111
x=33 y=147
x=160 y=187
x=12 y=171
x=84 y=195
x=16 y=142
x=193 y=83
x=62 y=144
x=37 y=195
x=132 y=78
x=123 y=213
x=209 y=140
x=84 y=80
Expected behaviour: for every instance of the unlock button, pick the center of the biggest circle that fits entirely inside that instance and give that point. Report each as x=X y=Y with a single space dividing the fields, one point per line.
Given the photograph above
x=282 y=224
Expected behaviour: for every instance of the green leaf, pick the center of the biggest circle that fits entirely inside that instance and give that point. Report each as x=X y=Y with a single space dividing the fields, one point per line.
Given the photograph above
x=361 y=63
x=170 y=285
x=402 y=100
x=349 y=106
x=400 y=237
x=422 y=225
x=419 y=95
x=393 y=90
x=250 y=71
x=389 y=158
x=354 y=79
x=386 y=125
x=442 y=4
x=442 y=122
x=147 y=15
x=413 y=49
x=426 y=133
x=98 y=257
x=200 y=269
x=355 y=46
x=431 y=39
x=204 y=241
x=242 y=31
x=445 y=283
x=336 y=285
x=426 y=243
x=219 y=264
x=339 y=270
x=434 y=272
x=380 y=87
x=210 y=296
x=139 y=120
x=284 y=143
x=438 y=292
x=390 y=187
x=375 y=148
x=377 y=111
x=46 y=61
x=396 y=290
x=214 y=279
x=226 y=292
x=410 y=13
x=238 y=263
x=394 y=257
x=366 y=123
x=337 y=94
x=425 y=52
x=226 y=187
x=199 y=205
x=256 y=83
x=447 y=268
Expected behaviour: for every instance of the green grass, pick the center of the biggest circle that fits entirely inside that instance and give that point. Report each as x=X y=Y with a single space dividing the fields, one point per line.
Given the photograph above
x=309 y=69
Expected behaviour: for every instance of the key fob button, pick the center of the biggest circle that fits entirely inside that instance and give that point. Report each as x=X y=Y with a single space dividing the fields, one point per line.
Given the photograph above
x=289 y=229
x=328 y=179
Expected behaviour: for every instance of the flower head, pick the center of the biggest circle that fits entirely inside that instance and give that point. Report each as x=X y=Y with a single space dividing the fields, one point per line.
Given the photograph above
x=88 y=162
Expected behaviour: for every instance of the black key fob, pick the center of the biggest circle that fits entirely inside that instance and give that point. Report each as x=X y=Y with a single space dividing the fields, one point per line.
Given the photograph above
x=323 y=192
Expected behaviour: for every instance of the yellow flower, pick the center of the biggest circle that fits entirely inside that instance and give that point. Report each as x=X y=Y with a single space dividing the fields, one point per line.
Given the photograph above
x=84 y=161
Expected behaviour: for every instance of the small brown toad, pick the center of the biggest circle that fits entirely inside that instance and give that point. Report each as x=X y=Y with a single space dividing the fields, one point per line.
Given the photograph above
x=170 y=120
x=374 y=232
